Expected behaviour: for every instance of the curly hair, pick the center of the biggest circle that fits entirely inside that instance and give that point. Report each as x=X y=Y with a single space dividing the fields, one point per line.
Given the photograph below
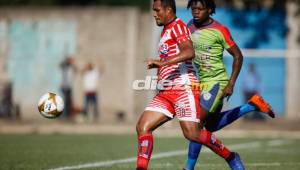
x=207 y=3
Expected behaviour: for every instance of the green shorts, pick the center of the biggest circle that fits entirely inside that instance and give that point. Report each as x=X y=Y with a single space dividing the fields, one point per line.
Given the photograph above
x=211 y=93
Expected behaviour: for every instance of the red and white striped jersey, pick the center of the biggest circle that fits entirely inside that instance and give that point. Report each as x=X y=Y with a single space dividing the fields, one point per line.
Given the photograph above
x=183 y=73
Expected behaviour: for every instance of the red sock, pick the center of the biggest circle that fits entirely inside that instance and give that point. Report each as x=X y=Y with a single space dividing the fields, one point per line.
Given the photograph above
x=145 y=146
x=209 y=140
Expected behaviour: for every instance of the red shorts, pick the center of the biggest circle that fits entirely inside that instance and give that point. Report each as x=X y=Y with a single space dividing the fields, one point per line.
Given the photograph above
x=184 y=104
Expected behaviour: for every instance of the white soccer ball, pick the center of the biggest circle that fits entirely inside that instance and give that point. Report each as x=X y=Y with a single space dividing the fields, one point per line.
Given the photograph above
x=51 y=105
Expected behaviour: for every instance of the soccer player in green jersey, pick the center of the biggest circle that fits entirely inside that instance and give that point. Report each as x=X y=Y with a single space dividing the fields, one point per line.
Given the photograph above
x=210 y=39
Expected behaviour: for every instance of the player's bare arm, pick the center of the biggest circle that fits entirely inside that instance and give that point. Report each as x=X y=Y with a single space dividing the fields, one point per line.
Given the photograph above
x=186 y=53
x=236 y=67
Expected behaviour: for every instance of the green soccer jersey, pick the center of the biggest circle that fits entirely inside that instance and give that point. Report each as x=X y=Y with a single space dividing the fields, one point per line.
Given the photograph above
x=209 y=43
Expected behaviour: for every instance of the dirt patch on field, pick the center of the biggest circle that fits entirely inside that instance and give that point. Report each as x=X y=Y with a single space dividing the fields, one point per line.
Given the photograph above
x=240 y=128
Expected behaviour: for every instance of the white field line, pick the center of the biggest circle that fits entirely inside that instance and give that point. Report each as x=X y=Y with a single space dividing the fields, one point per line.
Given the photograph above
x=277 y=142
x=164 y=155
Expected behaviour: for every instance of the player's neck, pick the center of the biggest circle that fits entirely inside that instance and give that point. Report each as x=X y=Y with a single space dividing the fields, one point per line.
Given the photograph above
x=170 y=20
x=204 y=23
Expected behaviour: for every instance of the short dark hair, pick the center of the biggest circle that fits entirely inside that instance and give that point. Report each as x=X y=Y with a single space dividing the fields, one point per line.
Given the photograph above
x=168 y=3
x=207 y=3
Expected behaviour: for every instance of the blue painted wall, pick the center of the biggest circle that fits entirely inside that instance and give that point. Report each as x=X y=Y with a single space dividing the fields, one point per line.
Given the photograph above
x=256 y=30
x=36 y=50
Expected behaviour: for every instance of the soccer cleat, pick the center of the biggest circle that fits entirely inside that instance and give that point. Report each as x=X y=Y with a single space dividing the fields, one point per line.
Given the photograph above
x=261 y=105
x=235 y=162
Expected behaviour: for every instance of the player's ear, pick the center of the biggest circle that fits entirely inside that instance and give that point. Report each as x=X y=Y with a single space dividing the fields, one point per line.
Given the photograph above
x=209 y=11
x=169 y=10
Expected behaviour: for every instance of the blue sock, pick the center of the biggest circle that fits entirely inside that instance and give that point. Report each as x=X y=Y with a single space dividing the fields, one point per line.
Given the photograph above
x=235 y=163
x=194 y=150
x=223 y=119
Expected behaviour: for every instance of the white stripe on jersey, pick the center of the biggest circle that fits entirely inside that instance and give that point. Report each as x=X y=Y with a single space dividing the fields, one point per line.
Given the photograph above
x=170 y=55
x=179 y=29
x=185 y=30
x=192 y=104
x=189 y=32
x=160 y=110
x=174 y=32
x=165 y=72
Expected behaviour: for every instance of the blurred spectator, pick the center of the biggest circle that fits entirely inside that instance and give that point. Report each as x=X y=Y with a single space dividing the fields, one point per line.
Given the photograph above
x=90 y=86
x=68 y=74
x=251 y=85
x=8 y=109
x=121 y=116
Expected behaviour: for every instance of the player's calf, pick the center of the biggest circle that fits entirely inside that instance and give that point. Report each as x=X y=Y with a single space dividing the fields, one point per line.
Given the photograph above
x=146 y=124
x=145 y=147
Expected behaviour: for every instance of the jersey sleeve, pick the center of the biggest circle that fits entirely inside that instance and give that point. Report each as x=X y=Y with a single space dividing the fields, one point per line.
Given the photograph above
x=180 y=33
x=226 y=38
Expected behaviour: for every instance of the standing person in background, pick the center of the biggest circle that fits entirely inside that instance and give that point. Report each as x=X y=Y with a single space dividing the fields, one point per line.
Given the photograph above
x=250 y=86
x=251 y=82
x=90 y=86
x=68 y=74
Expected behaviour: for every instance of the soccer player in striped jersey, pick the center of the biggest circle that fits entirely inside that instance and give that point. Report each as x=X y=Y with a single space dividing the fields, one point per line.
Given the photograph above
x=176 y=97
x=210 y=38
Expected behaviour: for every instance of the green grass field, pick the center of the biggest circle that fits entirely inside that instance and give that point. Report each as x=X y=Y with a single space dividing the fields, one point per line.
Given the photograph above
x=108 y=152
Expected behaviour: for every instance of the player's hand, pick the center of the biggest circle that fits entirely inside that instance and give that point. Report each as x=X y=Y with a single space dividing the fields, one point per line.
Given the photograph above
x=154 y=63
x=228 y=91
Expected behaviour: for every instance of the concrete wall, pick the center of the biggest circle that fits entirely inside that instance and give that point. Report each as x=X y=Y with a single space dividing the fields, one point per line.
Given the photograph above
x=117 y=40
x=293 y=62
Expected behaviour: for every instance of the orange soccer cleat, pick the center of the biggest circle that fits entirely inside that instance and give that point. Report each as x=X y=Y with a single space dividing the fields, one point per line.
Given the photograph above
x=261 y=105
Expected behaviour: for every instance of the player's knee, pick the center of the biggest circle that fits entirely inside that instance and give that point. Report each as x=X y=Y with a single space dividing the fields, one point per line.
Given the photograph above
x=201 y=136
x=139 y=128
x=191 y=135
x=142 y=128
x=187 y=135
